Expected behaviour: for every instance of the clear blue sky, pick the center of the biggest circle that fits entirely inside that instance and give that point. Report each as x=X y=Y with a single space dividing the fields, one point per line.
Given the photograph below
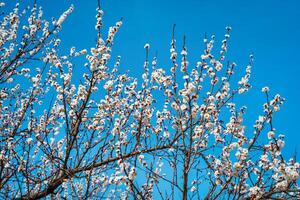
x=268 y=28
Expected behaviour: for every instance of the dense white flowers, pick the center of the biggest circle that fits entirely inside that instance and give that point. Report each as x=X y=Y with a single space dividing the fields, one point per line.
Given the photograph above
x=93 y=131
x=292 y=172
x=108 y=85
x=255 y=192
x=63 y=17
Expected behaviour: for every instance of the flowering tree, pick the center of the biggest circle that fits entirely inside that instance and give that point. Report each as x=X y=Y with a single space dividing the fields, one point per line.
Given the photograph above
x=169 y=135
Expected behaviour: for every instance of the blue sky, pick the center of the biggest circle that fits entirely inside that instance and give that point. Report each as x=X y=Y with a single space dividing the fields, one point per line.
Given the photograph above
x=269 y=29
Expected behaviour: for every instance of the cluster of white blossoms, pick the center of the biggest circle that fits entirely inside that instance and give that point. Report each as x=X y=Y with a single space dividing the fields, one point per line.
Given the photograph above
x=63 y=17
x=95 y=131
x=255 y=192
